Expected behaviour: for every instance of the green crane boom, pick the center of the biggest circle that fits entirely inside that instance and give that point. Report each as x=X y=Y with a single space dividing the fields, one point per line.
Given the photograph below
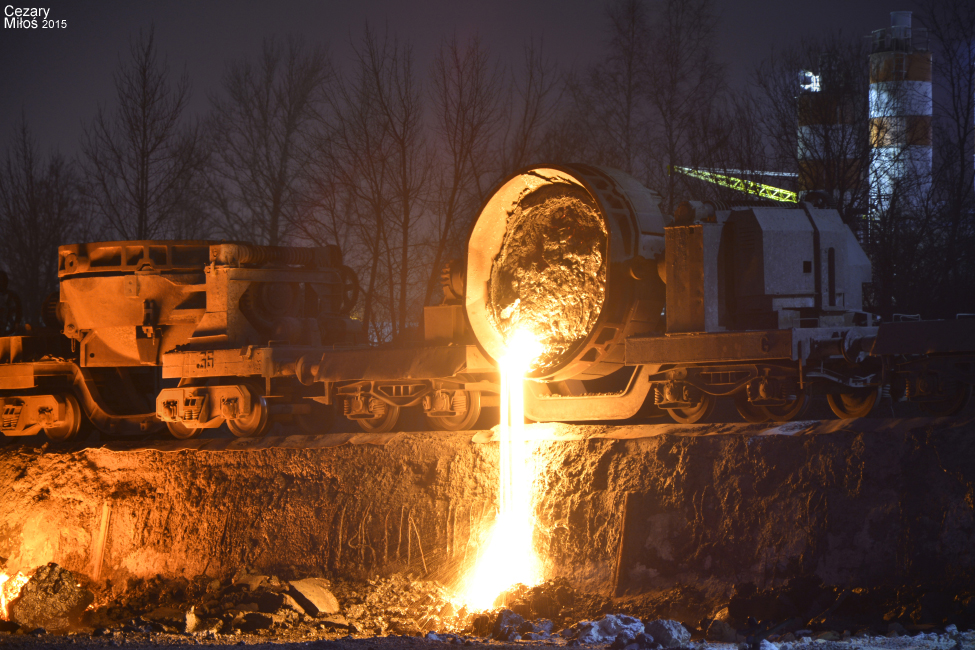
x=740 y=184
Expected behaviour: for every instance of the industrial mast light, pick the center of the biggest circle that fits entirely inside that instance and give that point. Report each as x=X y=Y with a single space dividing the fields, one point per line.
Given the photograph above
x=809 y=82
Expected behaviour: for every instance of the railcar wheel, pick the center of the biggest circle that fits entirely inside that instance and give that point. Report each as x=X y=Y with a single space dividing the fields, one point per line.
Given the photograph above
x=855 y=404
x=183 y=432
x=748 y=411
x=69 y=427
x=385 y=422
x=461 y=421
x=320 y=420
x=951 y=405
x=791 y=410
x=254 y=424
x=697 y=413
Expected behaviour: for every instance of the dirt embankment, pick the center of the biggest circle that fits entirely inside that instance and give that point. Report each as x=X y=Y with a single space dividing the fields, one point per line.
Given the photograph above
x=622 y=510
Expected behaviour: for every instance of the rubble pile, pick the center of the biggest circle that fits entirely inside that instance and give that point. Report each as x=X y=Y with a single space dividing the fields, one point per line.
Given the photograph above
x=619 y=631
x=554 y=599
x=400 y=605
x=249 y=604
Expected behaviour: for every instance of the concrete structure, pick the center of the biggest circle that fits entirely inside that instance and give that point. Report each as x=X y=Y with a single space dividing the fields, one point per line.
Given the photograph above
x=900 y=114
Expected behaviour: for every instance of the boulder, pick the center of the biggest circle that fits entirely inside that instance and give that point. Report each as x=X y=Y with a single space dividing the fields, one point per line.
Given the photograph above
x=271 y=601
x=545 y=605
x=721 y=632
x=544 y=625
x=314 y=597
x=607 y=629
x=522 y=608
x=53 y=599
x=669 y=634
x=253 y=621
x=506 y=625
x=481 y=625
x=639 y=642
x=508 y=635
x=194 y=623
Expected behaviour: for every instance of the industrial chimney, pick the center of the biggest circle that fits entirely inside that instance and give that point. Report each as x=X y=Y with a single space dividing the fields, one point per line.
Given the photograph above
x=900 y=115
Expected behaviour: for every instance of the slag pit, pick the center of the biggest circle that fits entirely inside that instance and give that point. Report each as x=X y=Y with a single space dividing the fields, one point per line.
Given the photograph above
x=549 y=277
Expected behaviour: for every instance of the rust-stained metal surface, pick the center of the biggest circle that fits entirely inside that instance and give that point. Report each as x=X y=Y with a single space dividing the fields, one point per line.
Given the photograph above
x=406 y=363
x=208 y=313
x=130 y=303
x=706 y=347
x=550 y=276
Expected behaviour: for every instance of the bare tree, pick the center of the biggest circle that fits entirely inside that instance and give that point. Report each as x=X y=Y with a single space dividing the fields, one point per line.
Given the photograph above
x=326 y=205
x=39 y=210
x=951 y=25
x=822 y=130
x=384 y=116
x=141 y=160
x=400 y=97
x=537 y=89
x=644 y=107
x=729 y=139
x=683 y=79
x=606 y=121
x=361 y=149
x=467 y=100
x=262 y=130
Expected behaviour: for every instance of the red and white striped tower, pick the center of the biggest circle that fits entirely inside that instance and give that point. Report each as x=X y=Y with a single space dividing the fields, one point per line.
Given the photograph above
x=900 y=115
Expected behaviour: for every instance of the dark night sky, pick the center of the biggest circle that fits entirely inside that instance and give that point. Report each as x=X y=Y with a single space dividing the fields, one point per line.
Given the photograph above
x=58 y=77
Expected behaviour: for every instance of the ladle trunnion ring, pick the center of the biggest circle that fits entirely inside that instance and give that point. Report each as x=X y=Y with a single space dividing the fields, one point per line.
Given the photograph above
x=634 y=228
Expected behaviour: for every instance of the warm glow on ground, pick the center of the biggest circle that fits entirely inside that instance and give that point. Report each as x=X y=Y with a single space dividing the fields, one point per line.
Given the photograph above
x=9 y=589
x=507 y=556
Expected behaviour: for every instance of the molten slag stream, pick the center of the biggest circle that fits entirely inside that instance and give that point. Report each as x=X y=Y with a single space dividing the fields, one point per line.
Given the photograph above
x=10 y=587
x=508 y=557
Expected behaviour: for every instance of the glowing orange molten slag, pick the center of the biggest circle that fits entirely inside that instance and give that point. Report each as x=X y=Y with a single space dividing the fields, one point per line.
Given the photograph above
x=10 y=587
x=508 y=557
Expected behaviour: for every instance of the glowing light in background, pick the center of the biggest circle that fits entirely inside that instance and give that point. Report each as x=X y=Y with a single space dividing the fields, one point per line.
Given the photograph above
x=508 y=556
x=10 y=587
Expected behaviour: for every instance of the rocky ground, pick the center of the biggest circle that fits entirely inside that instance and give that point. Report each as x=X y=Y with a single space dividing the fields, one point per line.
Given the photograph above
x=57 y=609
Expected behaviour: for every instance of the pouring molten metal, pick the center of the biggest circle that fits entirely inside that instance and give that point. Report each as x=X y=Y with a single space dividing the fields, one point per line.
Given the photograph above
x=10 y=587
x=509 y=555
